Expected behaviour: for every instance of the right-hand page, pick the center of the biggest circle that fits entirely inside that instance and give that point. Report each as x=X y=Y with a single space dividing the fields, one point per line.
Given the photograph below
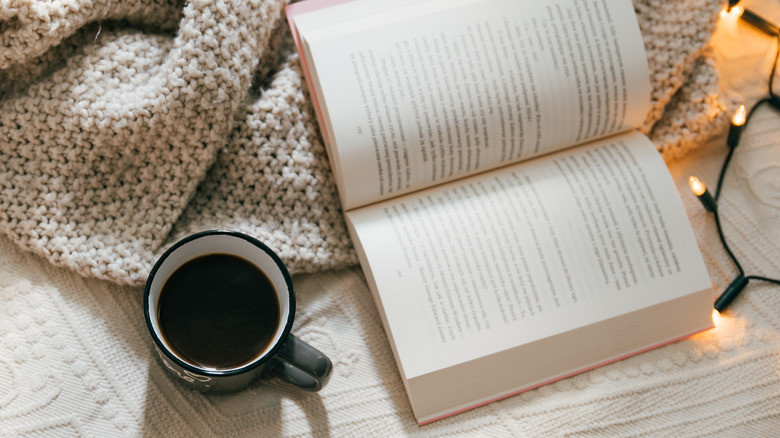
x=528 y=251
x=434 y=91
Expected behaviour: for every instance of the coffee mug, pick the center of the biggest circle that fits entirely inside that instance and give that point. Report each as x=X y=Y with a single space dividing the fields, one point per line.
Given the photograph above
x=219 y=306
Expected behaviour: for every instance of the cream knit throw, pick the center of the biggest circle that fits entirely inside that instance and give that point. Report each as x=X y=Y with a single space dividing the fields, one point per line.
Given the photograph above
x=127 y=125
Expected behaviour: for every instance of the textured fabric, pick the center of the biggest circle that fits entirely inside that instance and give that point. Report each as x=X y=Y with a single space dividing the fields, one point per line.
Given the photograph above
x=127 y=125
x=76 y=360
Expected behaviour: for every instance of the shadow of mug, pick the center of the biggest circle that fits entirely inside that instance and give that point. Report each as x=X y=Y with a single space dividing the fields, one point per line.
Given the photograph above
x=206 y=305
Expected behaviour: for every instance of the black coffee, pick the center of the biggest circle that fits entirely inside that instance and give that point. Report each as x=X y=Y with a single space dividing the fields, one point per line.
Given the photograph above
x=218 y=311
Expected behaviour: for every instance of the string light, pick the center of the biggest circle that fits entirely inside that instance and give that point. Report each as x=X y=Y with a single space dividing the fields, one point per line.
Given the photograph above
x=738 y=123
x=700 y=190
x=716 y=318
x=731 y=292
x=731 y=13
x=729 y=17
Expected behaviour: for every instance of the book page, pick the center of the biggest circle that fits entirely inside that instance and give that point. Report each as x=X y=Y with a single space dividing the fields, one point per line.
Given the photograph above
x=531 y=250
x=437 y=90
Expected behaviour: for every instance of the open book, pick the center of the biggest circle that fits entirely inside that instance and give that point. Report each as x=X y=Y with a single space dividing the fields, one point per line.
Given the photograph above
x=512 y=224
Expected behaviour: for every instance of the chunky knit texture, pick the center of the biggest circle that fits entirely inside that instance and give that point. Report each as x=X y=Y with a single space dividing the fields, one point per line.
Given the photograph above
x=127 y=125
x=76 y=358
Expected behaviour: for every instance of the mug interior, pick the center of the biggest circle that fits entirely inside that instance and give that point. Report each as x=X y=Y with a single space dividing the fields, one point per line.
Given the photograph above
x=219 y=243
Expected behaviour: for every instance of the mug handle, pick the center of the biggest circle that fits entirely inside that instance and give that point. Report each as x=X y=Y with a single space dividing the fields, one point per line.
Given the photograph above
x=302 y=365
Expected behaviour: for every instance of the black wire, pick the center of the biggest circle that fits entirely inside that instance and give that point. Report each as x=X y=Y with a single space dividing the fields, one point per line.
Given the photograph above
x=769 y=99
x=723 y=171
x=774 y=69
x=731 y=150
x=758 y=277
x=772 y=99
x=725 y=244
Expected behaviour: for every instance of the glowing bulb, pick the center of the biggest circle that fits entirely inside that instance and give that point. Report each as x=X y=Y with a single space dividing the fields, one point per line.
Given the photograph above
x=716 y=317
x=702 y=194
x=731 y=13
x=737 y=123
x=729 y=17
x=697 y=187
x=740 y=117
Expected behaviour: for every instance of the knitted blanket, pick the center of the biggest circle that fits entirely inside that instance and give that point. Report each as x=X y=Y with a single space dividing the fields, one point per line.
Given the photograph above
x=126 y=125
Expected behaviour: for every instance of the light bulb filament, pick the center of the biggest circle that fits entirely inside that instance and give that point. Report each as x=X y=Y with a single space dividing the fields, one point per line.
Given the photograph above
x=731 y=12
x=697 y=187
x=740 y=116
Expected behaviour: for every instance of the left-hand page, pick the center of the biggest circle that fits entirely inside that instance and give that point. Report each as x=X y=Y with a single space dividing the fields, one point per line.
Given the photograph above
x=414 y=94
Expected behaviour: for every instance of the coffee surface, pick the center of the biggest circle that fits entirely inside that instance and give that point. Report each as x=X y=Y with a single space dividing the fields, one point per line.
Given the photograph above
x=218 y=311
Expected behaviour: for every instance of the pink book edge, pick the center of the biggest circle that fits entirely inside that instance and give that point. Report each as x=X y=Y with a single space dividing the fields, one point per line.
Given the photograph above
x=555 y=379
x=291 y=11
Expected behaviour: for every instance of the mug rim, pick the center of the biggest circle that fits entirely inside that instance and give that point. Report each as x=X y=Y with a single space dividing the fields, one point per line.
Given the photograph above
x=271 y=351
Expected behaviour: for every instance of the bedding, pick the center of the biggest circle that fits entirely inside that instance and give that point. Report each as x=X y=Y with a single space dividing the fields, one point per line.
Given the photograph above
x=127 y=125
